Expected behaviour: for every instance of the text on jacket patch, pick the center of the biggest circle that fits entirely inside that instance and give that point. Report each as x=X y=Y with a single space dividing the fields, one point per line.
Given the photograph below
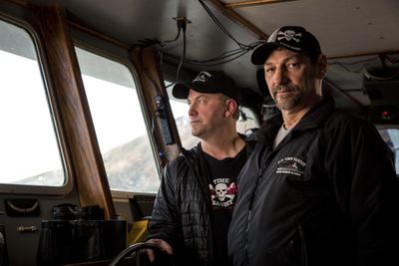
x=291 y=166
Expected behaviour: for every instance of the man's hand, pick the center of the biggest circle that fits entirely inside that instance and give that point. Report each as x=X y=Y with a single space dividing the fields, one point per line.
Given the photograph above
x=162 y=245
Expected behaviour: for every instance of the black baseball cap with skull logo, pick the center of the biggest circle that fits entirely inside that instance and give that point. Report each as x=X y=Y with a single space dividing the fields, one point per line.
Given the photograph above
x=209 y=82
x=293 y=38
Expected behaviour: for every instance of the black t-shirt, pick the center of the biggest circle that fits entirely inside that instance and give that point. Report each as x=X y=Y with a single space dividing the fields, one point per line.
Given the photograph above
x=222 y=185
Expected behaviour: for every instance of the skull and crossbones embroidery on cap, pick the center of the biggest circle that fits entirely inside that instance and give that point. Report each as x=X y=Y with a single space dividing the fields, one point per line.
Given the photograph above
x=223 y=192
x=289 y=35
x=203 y=76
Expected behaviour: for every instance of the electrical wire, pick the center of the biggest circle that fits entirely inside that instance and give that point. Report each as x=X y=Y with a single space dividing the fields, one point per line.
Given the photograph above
x=220 y=25
x=175 y=39
x=151 y=42
x=364 y=64
x=346 y=66
x=223 y=58
x=183 y=55
x=212 y=62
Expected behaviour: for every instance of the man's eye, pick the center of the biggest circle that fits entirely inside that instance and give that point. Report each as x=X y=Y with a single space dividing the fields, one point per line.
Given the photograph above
x=293 y=65
x=269 y=71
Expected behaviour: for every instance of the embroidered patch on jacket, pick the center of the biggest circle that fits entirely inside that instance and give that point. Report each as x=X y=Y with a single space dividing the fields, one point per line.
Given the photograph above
x=291 y=166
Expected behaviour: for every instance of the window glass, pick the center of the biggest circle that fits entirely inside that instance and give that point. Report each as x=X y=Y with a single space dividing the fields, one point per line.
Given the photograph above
x=119 y=123
x=29 y=151
x=391 y=137
x=247 y=121
x=180 y=113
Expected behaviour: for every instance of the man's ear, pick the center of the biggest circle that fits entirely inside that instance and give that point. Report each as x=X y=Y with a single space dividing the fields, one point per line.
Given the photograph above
x=231 y=108
x=321 y=66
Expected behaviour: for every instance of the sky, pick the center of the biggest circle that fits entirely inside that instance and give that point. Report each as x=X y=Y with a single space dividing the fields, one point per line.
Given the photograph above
x=27 y=137
x=27 y=140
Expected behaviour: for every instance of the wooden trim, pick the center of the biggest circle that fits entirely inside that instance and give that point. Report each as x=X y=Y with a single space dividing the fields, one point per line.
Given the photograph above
x=146 y=63
x=20 y=2
x=76 y=122
x=234 y=16
x=362 y=54
x=238 y=4
x=99 y=35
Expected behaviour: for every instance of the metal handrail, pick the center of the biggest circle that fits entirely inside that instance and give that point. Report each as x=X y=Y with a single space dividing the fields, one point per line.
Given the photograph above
x=131 y=249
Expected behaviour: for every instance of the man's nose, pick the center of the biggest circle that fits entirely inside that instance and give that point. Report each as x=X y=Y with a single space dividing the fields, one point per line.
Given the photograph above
x=191 y=110
x=281 y=77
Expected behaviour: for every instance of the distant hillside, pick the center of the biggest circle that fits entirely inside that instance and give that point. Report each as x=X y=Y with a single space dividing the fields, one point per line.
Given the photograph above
x=129 y=166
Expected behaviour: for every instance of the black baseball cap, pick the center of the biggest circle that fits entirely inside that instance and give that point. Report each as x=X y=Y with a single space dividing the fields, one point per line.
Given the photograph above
x=208 y=82
x=294 y=38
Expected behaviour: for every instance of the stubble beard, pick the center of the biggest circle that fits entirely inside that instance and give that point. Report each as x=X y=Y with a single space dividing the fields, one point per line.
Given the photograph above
x=197 y=131
x=290 y=101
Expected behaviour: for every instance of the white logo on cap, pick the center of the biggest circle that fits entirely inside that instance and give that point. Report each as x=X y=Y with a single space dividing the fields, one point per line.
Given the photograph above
x=288 y=35
x=202 y=76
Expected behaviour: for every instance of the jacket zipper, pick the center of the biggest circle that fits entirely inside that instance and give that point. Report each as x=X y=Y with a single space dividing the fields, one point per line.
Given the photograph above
x=250 y=213
x=304 y=249
x=262 y=167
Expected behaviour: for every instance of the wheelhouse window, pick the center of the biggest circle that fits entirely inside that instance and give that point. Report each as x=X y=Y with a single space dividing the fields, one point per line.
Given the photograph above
x=391 y=137
x=119 y=123
x=29 y=150
x=180 y=112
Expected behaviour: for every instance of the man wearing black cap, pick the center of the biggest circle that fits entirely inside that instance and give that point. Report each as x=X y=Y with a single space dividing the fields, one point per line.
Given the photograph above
x=194 y=205
x=320 y=187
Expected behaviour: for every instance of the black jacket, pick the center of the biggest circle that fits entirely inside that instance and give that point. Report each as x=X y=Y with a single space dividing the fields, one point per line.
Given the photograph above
x=326 y=196
x=181 y=214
